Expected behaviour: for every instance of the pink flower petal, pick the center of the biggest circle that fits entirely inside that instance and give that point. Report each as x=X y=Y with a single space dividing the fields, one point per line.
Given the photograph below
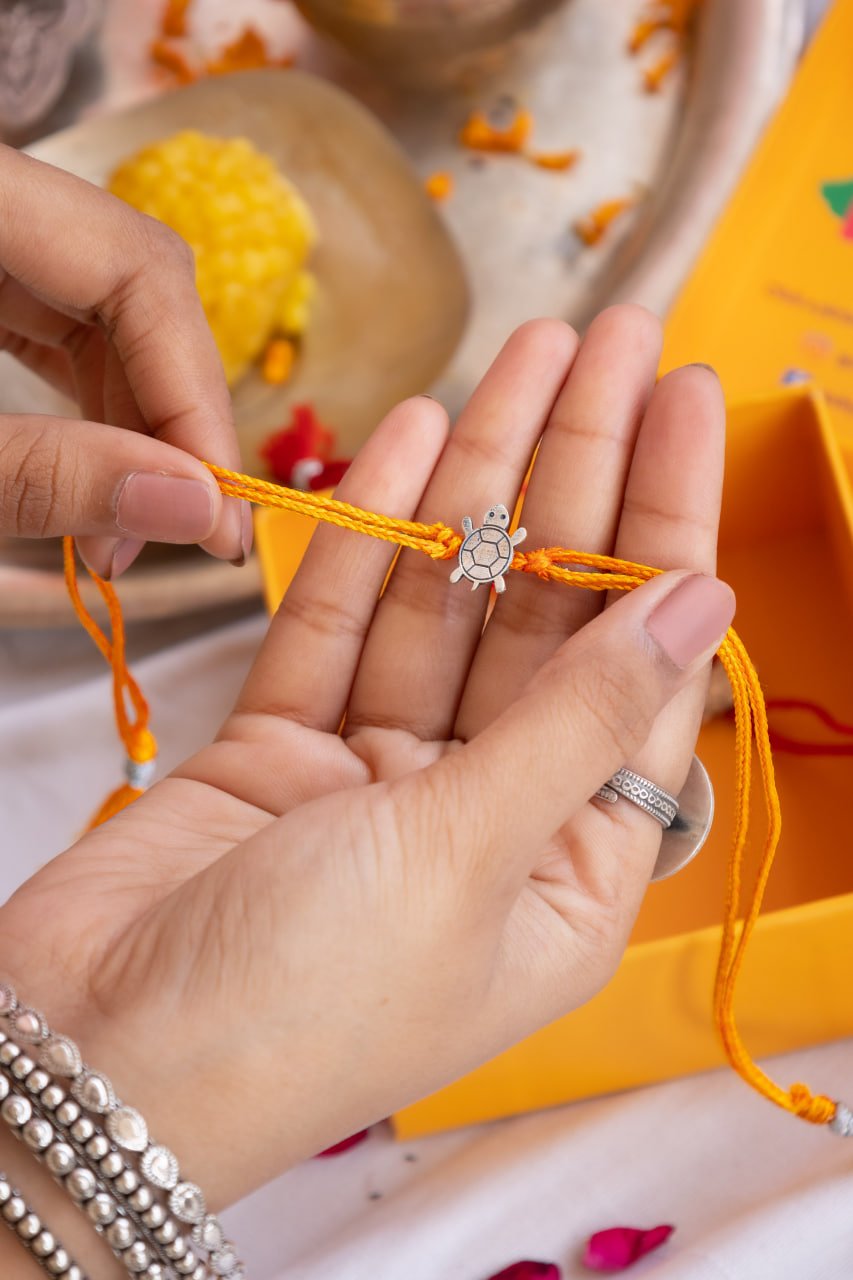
x=340 y=1147
x=620 y=1247
x=847 y=225
x=529 y=1271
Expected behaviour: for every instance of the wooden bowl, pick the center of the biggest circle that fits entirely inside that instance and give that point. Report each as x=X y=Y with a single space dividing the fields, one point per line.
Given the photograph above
x=391 y=305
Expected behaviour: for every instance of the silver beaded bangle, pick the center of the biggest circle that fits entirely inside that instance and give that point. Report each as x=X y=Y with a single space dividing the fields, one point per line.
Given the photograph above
x=70 y=1172
x=57 y=1056
x=79 y=1134
x=141 y=1233
x=30 y=1231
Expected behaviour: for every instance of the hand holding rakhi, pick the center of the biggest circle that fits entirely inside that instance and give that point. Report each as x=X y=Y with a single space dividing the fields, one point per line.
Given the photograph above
x=101 y=302
x=327 y=925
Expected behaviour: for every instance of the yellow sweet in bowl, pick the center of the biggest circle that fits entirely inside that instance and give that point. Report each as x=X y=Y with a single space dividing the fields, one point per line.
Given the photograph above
x=249 y=228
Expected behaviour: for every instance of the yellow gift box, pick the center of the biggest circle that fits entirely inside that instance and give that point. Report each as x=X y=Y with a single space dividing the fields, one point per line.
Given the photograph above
x=787 y=548
x=770 y=300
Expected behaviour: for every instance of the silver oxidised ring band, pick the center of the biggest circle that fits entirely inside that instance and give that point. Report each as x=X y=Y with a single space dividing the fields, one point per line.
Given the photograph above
x=686 y=819
x=646 y=795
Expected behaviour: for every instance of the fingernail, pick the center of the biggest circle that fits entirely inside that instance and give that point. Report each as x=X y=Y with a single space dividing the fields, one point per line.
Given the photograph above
x=246 y=534
x=164 y=508
x=697 y=364
x=692 y=619
x=126 y=551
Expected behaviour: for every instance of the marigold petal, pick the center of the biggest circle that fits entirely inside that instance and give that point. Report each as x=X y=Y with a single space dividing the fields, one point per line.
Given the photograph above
x=246 y=53
x=558 y=160
x=169 y=57
x=479 y=134
x=174 y=18
x=654 y=76
x=278 y=361
x=439 y=186
x=591 y=228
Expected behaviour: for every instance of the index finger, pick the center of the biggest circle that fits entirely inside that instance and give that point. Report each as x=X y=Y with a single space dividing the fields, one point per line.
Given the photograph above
x=95 y=259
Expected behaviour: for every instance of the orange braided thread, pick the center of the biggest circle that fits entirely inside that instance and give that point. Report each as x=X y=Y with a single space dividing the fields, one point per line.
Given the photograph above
x=556 y=564
x=139 y=742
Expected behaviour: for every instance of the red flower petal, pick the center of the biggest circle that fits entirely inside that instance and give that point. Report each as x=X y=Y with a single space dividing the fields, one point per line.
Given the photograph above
x=304 y=436
x=340 y=1147
x=331 y=475
x=620 y=1247
x=529 y=1271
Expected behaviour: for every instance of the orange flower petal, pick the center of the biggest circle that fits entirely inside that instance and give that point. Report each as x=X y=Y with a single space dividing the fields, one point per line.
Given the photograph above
x=174 y=19
x=246 y=53
x=278 y=361
x=439 y=186
x=556 y=160
x=479 y=134
x=643 y=32
x=593 y=226
x=171 y=59
x=654 y=76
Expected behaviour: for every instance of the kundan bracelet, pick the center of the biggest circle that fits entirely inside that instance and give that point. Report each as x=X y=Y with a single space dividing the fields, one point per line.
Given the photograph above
x=129 y=1186
x=30 y=1231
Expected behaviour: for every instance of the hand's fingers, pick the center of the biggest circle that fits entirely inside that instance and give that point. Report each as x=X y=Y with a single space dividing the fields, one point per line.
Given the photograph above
x=307 y=663
x=426 y=629
x=51 y=365
x=90 y=371
x=102 y=388
x=135 y=278
x=494 y=805
x=573 y=500
x=98 y=380
x=62 y=476
x=670 y=519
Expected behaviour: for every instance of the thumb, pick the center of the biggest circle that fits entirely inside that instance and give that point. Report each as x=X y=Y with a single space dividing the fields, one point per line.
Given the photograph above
x=101 y=483
x=586 y=713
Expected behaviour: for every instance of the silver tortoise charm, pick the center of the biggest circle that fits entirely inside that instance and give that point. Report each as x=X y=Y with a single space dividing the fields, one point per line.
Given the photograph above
x=486 y=553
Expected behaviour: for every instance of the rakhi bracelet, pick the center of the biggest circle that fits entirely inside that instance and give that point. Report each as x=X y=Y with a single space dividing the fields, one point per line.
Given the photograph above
x=29 y=1230
x=182 y=1208
x=484 y=554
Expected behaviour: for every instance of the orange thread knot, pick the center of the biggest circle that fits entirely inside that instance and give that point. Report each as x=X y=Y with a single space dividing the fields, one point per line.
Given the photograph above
x=814 y=1107
x=538 y=562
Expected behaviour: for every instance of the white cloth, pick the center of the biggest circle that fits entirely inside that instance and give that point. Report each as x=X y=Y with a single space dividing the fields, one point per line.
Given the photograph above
x=752 y=1192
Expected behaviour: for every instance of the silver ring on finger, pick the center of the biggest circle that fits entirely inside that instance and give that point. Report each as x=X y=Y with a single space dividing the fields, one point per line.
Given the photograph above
x=686 y=818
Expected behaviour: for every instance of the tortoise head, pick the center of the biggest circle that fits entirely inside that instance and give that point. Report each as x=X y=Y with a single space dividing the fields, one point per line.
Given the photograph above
x=497 y=515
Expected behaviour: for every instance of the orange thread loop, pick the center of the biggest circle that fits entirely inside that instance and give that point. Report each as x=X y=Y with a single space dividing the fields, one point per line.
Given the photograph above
x=139 y=742
x=556 y=564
